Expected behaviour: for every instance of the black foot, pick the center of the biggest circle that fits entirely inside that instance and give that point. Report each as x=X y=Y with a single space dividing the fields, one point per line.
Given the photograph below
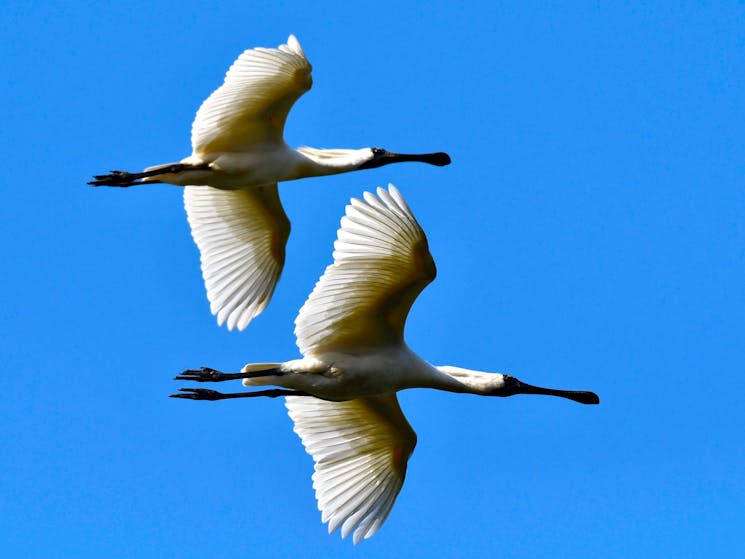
x=205 y=374
x=198 y=394
x=117 y=178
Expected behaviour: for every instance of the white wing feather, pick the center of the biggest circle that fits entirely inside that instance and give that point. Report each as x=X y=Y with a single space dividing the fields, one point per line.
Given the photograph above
x=241 y=235
x=360 y=448
x=381 y=264
x=252 y=104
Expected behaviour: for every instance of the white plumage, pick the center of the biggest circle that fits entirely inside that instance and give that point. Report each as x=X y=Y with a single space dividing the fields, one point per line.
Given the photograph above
x=360 y=448
x=381 y=263
x=241 y=235
x=252 y=104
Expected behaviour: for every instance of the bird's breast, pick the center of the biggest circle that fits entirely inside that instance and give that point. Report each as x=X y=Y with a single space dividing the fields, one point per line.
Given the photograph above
x=249 y=169
x=341 y=377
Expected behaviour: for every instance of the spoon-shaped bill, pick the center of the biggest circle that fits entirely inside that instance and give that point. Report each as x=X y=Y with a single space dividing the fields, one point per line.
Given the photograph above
x=581 y=396
x=382 y=157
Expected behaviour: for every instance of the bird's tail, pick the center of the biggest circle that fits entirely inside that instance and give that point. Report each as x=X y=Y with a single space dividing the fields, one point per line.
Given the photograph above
x=264 y=373
x=163 y=168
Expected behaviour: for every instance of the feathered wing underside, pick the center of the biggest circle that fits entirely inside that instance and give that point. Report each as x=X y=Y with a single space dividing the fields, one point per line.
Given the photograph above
x=360 y=448
x=381 y=264
x=251 y=106
x=241 y=235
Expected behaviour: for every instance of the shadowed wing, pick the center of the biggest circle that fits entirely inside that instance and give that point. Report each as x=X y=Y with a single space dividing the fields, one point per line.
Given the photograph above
x=241 y=235
x=381 y=264
x=360 y=448
x=251 y=106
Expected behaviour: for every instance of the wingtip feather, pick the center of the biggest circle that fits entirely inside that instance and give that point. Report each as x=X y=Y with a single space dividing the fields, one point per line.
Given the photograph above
x=294 y=45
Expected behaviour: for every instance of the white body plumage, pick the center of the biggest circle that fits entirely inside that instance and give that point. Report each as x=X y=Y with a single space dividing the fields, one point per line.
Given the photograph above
x=337 y=376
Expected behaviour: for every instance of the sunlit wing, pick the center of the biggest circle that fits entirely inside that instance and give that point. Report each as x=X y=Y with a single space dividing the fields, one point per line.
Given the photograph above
x=360 y=449
x=251 y=106
x=381 y=264
x=241 y=235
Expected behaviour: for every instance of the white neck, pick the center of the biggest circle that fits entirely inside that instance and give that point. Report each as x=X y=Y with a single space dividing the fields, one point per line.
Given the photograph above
x=333 y=161
x=468 y=381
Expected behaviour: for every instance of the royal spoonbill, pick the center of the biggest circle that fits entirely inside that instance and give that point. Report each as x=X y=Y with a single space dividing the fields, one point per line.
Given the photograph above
x=342 y=394
x=230 y=179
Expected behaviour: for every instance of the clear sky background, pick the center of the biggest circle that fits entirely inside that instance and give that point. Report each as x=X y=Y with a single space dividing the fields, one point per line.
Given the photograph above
x=590 y=234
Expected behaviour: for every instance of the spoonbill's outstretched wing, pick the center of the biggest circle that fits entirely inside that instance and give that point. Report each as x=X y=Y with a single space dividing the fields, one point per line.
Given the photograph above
x=381 y=264
x=251 y=106
x=360 y=448
x=241 y=235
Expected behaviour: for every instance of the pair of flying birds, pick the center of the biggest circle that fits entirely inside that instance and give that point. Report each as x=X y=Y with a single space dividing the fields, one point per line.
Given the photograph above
x=342 y=394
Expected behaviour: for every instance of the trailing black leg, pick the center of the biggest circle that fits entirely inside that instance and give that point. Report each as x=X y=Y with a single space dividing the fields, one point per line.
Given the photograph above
x=123 y=178
x=207 y=374
x=212 y=395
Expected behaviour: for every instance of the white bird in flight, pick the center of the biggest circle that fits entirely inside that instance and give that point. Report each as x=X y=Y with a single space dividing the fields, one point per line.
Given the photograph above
x=342 y=394
x=230 y=179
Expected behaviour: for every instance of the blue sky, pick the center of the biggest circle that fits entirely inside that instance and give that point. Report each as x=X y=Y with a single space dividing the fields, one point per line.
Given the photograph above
x=589 y=234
